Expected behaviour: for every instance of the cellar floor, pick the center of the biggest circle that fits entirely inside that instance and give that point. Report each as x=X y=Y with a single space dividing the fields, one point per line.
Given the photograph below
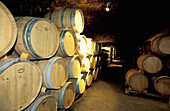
x=107 y=94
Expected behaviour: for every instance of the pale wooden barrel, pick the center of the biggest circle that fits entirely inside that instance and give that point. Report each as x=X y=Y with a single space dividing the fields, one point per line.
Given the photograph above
x=149 y=63
x=98 y=61
x=54 y=72
x=93 y=62
x=43 y=102
x=79 y=84
x=146 y=47
x=73 y=66
x=67 y=18
x=8 y=30
x=136 y=80
x=36 y=36
x=90 y=46
x=95 y=73
x=162 y=85
x=89 y=78
x=96 y=48
x=20 y=83
x=85 y=64
x=81 y=45
x=161 y=45
x=65 y=96
x=67 y=43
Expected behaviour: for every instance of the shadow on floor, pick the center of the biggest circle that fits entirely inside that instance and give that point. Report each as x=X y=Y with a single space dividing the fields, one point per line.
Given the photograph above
x=107 y=94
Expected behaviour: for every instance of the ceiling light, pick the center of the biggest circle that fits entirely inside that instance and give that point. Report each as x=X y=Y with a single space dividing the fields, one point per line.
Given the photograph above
x=108 y=6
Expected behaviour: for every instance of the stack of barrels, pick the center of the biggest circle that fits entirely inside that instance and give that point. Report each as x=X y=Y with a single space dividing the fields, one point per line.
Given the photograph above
x=153 y=71
x=45 y=62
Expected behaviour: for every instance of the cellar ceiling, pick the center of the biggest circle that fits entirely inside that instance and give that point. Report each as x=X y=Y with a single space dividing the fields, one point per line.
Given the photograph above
x=128 y=23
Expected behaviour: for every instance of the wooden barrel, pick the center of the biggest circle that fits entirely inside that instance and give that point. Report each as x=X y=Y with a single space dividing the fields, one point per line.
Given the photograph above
x=146 y=47
x=54 y=72
x=43 y=102
x=8 y=33
x=96 y=48
x=36 y=36
x=161 y=45
x=73 y=66
x=90 y=46
x=149 y=63
x=20 y=83
x=95 y=73
x=85 y=64
x=89 y=78
x=67 y=18
x=162 y=85
x=65 y=96
x=136 y=80
x=81 y=45
x=93 y=62
x=79 y=84
x=98 y=61
x=67 y=43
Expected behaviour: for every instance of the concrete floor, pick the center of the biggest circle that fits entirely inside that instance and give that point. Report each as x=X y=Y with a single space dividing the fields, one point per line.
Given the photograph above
x=108 y=95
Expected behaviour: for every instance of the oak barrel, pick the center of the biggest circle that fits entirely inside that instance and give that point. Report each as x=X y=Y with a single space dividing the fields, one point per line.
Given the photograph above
x=67 y=18
x=73 y=66
x=20 y=83
x=8 y=30
x=90 y=46
x=146 y=47
x=98 y=61
x=85 y=64
x=161 y=45
x=149 y=63
x=67 y=43
x=89 y=78
x=65 y=96
x=96 y=48
x=81 y=45
x=162 y=85
x=43 y=102
x=136 y=80
x=79 y=84
x=93 y=62
x=54 y=72
x=95 y=73
x=36 y=36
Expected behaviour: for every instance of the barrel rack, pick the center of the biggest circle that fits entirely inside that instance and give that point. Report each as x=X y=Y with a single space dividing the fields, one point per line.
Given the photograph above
x=131 y=92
